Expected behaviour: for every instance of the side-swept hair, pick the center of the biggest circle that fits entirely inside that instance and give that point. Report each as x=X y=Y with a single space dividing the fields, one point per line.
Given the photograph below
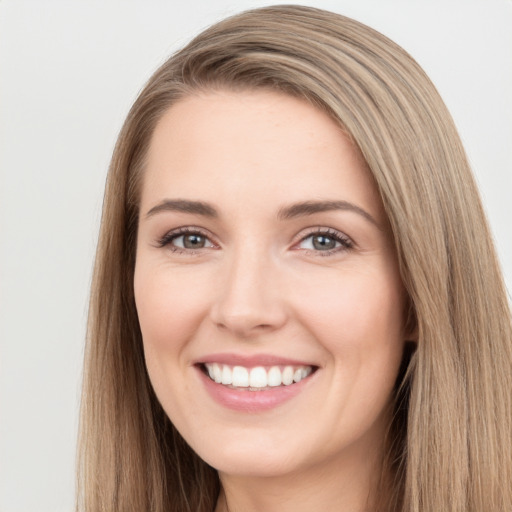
x=450 y=444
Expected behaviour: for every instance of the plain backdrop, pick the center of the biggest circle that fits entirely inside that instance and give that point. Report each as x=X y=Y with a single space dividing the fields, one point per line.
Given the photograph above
x=69 y=72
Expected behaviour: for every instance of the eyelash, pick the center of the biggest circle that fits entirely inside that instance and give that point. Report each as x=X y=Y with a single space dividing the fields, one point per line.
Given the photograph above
x=168 y=238
x=344 y=241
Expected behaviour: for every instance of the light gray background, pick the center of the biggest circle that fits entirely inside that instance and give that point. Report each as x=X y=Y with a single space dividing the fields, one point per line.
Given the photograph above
x=69 y=72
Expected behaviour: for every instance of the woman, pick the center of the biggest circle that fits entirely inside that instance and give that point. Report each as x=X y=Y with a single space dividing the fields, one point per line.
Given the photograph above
x=296 y=301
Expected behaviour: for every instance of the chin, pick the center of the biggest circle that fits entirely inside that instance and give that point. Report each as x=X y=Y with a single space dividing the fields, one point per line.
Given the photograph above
x=257 y=466
x=250 y=459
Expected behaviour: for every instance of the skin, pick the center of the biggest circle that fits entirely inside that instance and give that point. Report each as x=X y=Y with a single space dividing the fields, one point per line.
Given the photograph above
x=258 y=285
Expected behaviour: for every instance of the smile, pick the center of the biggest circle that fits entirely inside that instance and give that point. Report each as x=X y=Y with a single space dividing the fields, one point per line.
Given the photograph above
x=258 y=378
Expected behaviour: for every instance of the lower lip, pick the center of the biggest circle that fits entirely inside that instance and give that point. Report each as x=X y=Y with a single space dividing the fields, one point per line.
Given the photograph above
x=252 y=401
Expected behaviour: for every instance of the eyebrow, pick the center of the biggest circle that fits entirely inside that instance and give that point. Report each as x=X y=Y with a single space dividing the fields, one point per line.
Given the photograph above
x=311 y=207
x=184 y=205
x=288 y=212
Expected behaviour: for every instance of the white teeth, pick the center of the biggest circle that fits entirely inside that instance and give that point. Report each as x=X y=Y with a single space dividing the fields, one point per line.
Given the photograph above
x=274 y=376
x=217 y=373
x=227 y=375
x=287 y=375
x=257 y=377
x=240 y=377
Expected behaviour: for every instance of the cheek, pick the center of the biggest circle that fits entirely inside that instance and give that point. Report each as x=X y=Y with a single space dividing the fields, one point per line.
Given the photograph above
x=351 y=304
x=170 y=309
x=358 y=318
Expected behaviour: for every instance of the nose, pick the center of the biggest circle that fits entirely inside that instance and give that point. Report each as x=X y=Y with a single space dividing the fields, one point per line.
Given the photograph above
x=250 y=300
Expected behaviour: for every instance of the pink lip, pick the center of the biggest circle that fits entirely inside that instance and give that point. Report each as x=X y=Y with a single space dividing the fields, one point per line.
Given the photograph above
x=250 y=361
x=243 y=400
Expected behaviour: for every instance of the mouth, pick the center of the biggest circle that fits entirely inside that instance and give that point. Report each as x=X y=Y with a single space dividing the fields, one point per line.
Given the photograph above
x=257 y=378
x=254 y=383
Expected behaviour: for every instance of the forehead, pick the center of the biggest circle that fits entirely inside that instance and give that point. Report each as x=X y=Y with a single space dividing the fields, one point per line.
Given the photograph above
x=254 y=144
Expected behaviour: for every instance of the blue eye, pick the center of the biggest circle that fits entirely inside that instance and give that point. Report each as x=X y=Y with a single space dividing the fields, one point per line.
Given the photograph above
x=325 y=241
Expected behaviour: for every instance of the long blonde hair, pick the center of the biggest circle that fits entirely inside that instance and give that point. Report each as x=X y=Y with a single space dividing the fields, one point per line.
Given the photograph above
x=450 y=444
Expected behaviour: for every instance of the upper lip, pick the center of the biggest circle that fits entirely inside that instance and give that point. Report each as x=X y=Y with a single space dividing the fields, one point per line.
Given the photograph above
x=250 y=361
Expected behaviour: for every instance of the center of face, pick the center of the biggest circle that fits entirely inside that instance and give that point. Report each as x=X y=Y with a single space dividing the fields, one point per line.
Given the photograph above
x=266 y=283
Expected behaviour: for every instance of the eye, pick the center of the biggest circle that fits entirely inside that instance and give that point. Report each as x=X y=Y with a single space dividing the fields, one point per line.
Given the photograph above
x=185 y=239
x=326 y=241
x=191 y=241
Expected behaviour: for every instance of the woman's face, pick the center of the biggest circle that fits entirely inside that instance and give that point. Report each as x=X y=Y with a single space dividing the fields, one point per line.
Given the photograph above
x=266 y=285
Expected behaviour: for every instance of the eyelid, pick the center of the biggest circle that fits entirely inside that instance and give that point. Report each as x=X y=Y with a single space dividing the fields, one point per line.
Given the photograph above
x=169 y=236
x=346 y=242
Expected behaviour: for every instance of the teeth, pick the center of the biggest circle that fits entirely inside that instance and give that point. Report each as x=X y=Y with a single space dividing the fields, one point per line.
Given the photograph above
x=227 y=375
x=257 y=377
x=287 y=375
x=274 y=376
x=240 y=377
x=217 y=373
